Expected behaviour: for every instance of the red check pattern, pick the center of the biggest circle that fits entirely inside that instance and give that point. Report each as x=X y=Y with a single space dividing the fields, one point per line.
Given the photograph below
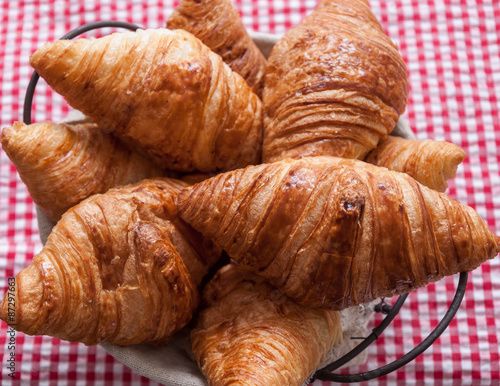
x=452 y=50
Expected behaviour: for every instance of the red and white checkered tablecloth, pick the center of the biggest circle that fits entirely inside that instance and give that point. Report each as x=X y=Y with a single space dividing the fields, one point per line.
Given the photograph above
x=452 y=51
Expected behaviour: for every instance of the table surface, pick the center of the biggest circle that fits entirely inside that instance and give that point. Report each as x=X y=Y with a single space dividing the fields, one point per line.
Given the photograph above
x=451 y=48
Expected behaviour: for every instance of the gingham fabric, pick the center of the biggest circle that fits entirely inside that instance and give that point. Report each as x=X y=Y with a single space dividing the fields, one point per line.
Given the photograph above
x=451 y=48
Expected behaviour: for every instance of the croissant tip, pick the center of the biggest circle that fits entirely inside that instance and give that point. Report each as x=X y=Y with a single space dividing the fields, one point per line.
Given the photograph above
x=451 y=165
x=5 y=134
x=52 y=57
x=16 y=126
x=497 y=246
x=8 y=133
x=36 y=56
x=3 y=313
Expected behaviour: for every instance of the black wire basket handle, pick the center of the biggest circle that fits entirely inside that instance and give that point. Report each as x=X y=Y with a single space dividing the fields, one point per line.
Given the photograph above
x=324 y=374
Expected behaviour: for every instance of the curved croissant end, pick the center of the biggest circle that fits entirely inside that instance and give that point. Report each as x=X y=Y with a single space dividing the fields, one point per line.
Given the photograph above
x=217 y=24
x=63 y=164
x=332 y=232
x=163 y=91
x=251 y=334
x=116 y=268
x=335 y=85
x=430 y=162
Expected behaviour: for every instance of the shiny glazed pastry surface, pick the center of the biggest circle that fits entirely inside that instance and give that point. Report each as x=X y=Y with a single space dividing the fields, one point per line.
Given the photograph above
x=218 y=25
x=430 y=162
x=120 y=267
x=335 y=85
x=63 y=164
x=249 y=333
x=332 y=232
x=163 y=91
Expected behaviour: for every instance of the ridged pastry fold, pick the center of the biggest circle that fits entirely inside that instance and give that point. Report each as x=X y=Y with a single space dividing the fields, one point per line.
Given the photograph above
x=335 y=85
x=332 y=232
x=119 y=267
x=217 y=24
x=431 y=163
x=163 y=91
x=62 y=164
x=249 y=333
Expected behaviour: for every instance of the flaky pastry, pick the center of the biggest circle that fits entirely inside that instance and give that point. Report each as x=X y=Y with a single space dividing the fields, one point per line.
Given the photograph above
x=63 y=164
x=333 y=232
x=249 y=333
x=335 y=85
x=119 y=267
x=217 y=24
x=430 y=162
x=163 y=91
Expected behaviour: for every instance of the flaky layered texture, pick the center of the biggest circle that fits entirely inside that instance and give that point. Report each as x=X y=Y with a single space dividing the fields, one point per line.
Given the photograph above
x=163 y=91
x=120 y=267
x=249 y=333
x=335 y=85
x=431 y=163
x=63 y=164
x=218 y=25
x=332 y=232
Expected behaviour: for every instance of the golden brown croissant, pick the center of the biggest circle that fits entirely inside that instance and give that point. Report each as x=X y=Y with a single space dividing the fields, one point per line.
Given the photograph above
x=120 y=267
x=335 y=85
x=251 y=334
x=217 y=24
x=430 y=162
x=162 y=90
x=333 y=232
x=63 y=164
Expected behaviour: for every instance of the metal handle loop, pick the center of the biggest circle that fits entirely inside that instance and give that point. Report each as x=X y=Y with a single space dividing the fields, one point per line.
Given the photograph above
x=326 y=375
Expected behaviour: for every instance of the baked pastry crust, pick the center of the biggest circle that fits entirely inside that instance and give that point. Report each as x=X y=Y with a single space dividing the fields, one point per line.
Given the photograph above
x=62 y=164
x=120 y=267
x=249 y=333
x=217 y=24
x=335 y=85
x=332 y=232
x=430 y=162
x=162 y=91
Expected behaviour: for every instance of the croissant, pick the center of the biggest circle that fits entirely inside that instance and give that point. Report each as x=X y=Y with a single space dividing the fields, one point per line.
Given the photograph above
x=333 y=232
x=251 y=334
x=63 y=164
x=218 y=25
x=120 y=267
x=335 y=85
x=163 y=91
x=430 y=162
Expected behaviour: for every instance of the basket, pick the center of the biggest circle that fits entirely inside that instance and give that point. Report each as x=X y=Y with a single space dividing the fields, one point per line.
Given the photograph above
x=174 y=364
